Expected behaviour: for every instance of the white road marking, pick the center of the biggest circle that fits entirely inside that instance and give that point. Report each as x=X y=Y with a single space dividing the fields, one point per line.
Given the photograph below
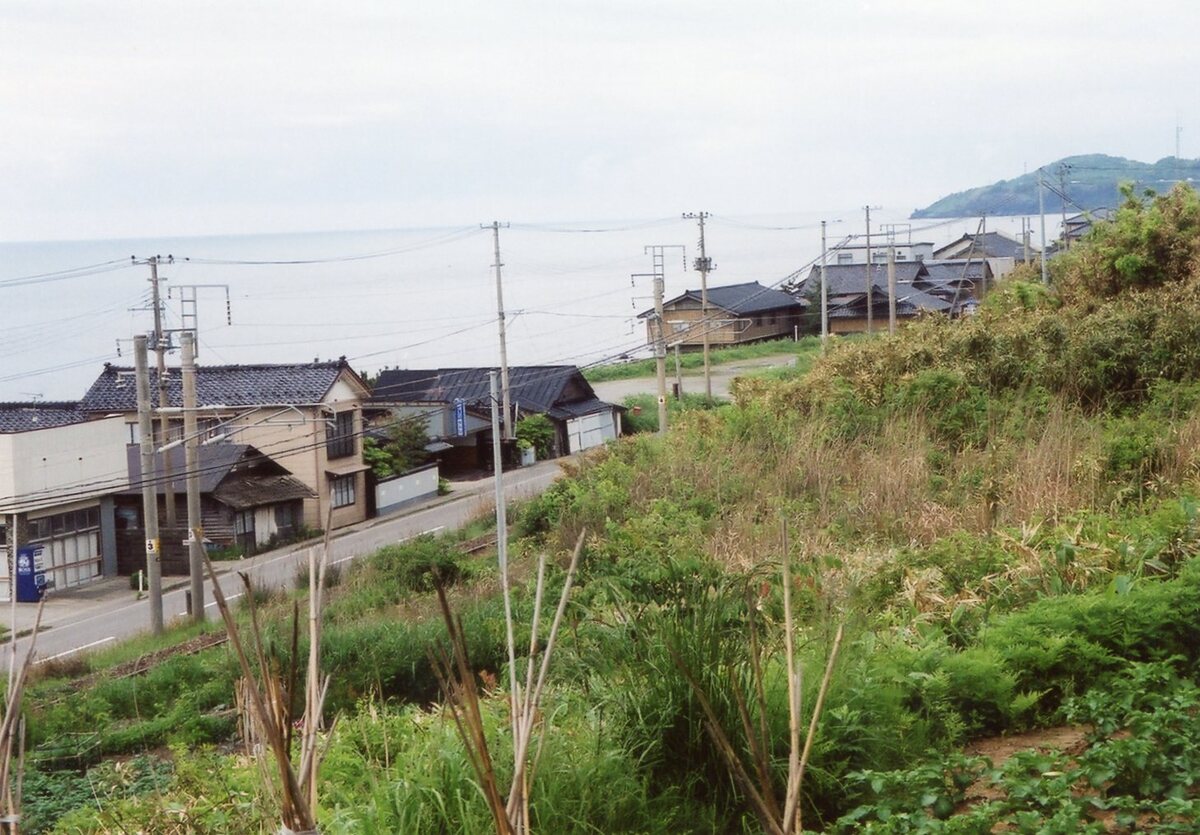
x=77 y=649
x=398 y=542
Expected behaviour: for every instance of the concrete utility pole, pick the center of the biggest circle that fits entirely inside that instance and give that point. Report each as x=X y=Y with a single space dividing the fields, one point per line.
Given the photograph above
x=678 y=375
x=704 y=266
x=1042 y=213
x=192 y=466
x=870 y=275
x=1025 y=239
x=660 y=341
x=164 y=423
x=504 y=392
x=149 y=497
x=824 y=293
x=502 y=539
x=658 y=332
x=1062 y=193
x=891 y=287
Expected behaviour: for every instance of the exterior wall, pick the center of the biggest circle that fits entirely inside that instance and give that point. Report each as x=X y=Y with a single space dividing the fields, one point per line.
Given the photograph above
x=732 y=331
x=1002 y=266
x=858 y=254
x=34 y=466
x=394 y=493
x=859 y=325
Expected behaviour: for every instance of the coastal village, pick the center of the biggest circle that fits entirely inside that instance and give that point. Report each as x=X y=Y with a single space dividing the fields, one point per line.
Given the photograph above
x=285 y=450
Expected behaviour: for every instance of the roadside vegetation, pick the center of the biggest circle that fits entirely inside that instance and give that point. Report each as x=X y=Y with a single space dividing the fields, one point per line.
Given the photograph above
x=996 y=520
x=805 y=349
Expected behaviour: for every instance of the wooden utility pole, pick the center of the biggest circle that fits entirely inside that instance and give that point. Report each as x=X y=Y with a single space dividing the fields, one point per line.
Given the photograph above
x=704 y=266
x=164 y=423
x=824 y=294
x=891 y=287
x=504 y=392
x=191 y=448
x=149 y=493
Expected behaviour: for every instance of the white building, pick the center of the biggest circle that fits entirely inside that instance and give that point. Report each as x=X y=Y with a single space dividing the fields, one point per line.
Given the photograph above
x=58 y=472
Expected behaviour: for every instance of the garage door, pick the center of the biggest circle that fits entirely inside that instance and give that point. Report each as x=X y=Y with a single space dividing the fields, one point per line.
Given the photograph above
x=71 y=543
x=591 y=430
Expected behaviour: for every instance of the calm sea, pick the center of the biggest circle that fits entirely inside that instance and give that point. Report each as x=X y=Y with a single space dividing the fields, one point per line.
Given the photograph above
x=410 y=298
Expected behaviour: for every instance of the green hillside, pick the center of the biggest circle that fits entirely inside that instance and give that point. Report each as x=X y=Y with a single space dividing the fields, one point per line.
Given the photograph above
x=991 y=525
x=1092 y=181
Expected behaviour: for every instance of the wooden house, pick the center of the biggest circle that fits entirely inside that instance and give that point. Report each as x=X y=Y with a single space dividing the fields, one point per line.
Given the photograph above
x=738 y=314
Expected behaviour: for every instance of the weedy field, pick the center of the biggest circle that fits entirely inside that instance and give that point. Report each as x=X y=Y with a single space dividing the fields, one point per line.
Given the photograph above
x=990 y=525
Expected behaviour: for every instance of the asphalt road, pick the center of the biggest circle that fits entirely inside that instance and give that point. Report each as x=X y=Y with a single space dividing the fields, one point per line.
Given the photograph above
x=722 y=375
x=98 y=615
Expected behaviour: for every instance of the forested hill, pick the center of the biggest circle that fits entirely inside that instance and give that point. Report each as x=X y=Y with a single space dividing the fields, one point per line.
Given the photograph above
x=1092 y=181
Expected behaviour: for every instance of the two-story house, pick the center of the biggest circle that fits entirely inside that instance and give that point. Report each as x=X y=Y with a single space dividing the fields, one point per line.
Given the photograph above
x=307 y=417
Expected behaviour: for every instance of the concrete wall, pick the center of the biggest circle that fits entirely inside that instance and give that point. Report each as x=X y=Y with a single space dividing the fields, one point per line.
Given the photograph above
x=394 y=493
x=39 y=468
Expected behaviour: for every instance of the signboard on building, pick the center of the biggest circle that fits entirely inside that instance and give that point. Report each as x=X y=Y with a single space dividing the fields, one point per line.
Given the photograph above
x=460 y=417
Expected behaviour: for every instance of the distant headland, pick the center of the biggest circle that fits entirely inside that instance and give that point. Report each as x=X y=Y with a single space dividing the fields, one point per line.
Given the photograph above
x=1090 y=181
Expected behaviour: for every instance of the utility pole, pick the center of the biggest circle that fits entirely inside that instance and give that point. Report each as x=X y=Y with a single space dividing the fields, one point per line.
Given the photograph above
x=658 y=253
x=149 y=497
x=502 y=540
x=891 y=287
x=824 y=294
x=870 y=275
x=660 y=347
x=164 y=423
x=1025 y=239
x=191 y=448
x=1042 y=212
x=678 y=375
x=1062 y=189
x=704 y=266
x=504 y=392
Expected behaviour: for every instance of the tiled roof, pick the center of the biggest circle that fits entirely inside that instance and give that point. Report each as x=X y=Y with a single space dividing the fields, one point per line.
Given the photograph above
x=26 y=417
x=850 y=279
x=255 y=491
x=557 y=390
x=739 y=299
x=989 y=245
x=953 y=269
x=115 y=390
x=217 y=462
x=564 y=411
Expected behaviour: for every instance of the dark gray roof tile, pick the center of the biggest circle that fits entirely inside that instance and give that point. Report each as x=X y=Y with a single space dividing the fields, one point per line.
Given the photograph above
x=27 y=417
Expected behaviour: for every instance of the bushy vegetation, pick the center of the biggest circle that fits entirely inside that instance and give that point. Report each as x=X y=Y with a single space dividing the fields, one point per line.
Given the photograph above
x=803 y=349
x=1001 y=511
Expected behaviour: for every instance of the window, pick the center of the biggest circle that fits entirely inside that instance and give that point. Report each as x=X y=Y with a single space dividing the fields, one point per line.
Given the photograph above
x=342 y=490
x=285 y=519
x=901 y=256
x=845 y=258
x=339 y=438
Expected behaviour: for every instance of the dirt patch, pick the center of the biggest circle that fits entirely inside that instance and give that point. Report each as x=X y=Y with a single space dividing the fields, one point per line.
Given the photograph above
x=1069 y=739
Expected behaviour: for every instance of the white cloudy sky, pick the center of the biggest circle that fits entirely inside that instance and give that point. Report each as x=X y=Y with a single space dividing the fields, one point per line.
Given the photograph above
x=125 y=118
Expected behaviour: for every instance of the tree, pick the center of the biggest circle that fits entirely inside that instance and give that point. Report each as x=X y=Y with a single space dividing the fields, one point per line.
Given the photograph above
x=403 y=450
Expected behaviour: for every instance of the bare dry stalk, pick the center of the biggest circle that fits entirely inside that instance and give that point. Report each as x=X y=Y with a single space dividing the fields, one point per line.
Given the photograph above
x=269 y=699
x=12 y=730
x=510 y=816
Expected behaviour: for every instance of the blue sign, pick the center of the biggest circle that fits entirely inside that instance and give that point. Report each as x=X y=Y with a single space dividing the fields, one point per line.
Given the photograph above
x=460 y=417
x=31 y=578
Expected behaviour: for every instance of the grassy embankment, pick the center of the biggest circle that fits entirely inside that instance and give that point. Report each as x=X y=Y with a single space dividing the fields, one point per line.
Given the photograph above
x=805 y=350
x=1001 y=511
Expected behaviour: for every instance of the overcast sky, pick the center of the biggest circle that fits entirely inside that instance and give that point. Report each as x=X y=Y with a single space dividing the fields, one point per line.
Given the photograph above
x=177 y=118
